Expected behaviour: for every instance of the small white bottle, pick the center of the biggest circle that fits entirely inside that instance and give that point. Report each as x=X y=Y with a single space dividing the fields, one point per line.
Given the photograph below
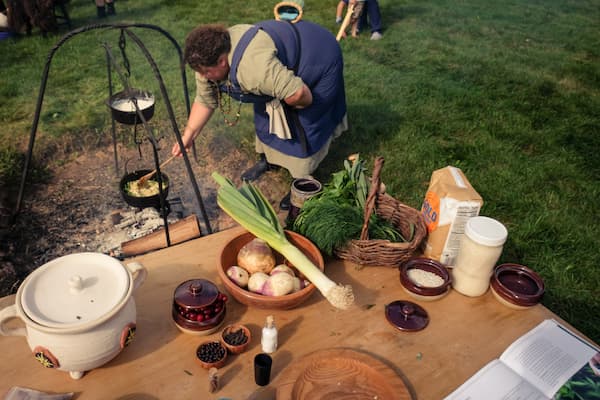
x=269 y=336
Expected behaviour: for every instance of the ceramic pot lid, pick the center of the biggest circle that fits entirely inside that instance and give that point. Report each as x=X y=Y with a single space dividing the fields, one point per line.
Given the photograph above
x=74 y=290
x=196 y=293
x=406 y=315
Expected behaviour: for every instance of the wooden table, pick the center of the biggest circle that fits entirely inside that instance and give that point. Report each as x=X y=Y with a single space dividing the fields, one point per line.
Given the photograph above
x=462 y=336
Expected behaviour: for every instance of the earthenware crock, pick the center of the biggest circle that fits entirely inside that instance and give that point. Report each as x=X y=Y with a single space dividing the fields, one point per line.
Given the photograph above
x=78 y=311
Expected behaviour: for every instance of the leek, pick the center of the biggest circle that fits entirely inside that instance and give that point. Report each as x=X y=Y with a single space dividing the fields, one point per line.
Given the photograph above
x=248 y=207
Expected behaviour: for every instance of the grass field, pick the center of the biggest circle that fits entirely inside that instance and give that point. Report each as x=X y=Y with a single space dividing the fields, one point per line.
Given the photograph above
x=507 y=91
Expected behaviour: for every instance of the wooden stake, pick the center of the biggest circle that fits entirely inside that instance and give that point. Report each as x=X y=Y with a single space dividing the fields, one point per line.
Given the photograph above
x=345 y=22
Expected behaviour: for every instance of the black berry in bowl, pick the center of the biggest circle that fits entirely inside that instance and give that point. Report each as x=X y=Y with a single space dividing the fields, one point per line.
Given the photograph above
x=211 y=354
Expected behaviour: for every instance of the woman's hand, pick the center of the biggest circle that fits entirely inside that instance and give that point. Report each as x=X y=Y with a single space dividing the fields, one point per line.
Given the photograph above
x=187 y=142
x=199 y=116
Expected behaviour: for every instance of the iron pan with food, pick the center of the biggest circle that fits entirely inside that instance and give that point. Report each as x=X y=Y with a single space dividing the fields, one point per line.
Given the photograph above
x=122 y=107
x=142 y=199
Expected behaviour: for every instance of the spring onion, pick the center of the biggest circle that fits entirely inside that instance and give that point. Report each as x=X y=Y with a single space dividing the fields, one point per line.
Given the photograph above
x=248 y=207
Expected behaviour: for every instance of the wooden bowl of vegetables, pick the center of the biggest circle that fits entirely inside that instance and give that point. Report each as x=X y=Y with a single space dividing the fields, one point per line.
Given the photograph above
x=266 y=295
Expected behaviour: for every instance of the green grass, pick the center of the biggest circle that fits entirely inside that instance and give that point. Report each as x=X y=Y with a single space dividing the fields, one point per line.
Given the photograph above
x=507 y=91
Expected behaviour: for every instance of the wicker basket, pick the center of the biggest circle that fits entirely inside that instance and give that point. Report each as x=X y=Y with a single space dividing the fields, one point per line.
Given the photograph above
x=384 y=252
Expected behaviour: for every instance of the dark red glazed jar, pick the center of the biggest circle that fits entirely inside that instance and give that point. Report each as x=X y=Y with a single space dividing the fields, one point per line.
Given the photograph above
x=198 y=307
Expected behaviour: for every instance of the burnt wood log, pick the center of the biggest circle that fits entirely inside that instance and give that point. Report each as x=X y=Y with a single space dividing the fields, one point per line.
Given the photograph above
x=180 y=231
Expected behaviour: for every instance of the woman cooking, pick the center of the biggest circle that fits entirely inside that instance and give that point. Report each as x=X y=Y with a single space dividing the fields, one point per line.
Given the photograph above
x=292 y=73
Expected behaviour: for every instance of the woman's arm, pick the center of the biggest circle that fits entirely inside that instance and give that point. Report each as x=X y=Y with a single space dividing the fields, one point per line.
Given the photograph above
x=199 y=116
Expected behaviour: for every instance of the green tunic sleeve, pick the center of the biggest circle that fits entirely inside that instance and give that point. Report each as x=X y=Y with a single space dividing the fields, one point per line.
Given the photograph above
x=260 y=71
x=205 y=92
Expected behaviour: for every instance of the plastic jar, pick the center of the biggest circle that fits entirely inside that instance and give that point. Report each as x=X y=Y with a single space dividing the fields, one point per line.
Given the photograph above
x=480 y=249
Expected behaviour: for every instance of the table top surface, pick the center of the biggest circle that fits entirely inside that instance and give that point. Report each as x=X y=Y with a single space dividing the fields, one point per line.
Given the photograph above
x=462 y=336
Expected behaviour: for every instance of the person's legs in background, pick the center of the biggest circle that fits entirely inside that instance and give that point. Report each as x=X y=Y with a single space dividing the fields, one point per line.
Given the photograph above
x=339 y=11
x=104 y=8
x=373 y=14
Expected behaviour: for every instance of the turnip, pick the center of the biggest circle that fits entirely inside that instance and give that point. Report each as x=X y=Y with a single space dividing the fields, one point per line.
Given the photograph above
x=298 y=284
x=257 y=281
x=282 y=268
x=238 y=275
x=278 y=284
x=256 y=256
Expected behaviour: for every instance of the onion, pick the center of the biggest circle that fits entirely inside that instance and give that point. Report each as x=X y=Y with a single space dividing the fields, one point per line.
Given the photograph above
x=257 y=281
x=278 y=285
x=238 y=275
x=256 y=256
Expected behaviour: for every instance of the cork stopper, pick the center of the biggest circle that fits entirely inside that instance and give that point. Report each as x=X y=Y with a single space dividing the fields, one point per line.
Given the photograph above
x=270 y=321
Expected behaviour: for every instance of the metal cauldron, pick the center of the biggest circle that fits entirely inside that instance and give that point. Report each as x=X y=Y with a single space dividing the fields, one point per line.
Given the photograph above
x=146 y=201
x=123 y=109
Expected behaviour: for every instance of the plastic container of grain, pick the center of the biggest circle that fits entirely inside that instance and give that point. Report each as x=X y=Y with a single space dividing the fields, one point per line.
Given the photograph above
x=480 y=249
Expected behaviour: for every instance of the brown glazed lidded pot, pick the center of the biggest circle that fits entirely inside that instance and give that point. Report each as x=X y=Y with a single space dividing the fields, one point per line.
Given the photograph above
x=425 y=279
x=198 y=307
x=517 y=286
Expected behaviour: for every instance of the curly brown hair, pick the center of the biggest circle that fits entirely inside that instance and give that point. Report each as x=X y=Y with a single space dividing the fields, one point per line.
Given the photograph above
x=205 y=44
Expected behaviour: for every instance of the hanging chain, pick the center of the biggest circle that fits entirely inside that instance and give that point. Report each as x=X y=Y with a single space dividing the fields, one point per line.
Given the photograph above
x=122 y=44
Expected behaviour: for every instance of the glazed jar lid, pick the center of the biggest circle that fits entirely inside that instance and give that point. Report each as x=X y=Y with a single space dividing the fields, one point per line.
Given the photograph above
x=486 y=231
x=74 y=290
x=406 y=315
x=196 y=293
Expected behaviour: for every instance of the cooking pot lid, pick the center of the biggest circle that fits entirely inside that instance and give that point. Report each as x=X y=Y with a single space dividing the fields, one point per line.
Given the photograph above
x=74 y=290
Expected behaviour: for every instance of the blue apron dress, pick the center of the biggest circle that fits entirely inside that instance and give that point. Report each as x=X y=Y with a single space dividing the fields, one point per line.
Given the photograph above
x=315 y=56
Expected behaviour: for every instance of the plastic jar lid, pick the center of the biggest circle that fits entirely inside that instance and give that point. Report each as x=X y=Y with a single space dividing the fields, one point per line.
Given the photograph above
x=486 y=231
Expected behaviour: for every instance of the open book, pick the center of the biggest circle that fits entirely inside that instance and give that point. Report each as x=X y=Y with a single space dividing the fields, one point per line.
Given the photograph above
x=548 y=362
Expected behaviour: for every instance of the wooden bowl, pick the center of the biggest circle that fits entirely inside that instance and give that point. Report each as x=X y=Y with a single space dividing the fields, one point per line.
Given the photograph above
x=217 y=363
x=286 y=302
x=233 y=330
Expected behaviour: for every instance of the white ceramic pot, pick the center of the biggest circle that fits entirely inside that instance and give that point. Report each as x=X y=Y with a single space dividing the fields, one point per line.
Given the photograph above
x=78 y=310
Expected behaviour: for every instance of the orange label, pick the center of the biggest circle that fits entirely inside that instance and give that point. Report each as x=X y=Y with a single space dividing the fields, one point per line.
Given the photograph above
x=431 y=210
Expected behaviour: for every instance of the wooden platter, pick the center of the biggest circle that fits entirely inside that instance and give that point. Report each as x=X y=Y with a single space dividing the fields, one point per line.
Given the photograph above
x=340 y=373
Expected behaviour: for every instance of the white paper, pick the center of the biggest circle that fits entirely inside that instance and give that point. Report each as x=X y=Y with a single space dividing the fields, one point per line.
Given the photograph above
x=548 y=356
x=535 y=367
x=485 y=383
